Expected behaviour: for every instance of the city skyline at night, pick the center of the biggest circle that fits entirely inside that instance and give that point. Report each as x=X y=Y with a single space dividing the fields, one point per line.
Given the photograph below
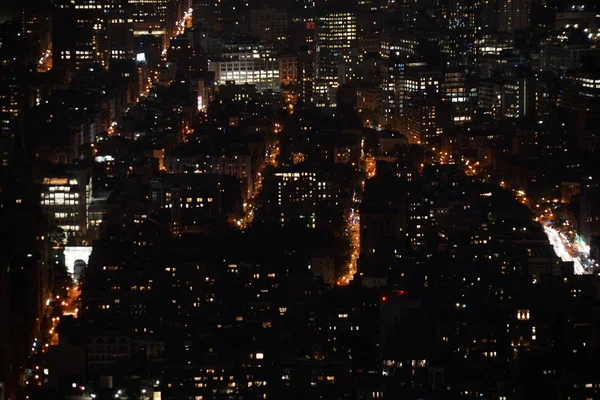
x=299 y=199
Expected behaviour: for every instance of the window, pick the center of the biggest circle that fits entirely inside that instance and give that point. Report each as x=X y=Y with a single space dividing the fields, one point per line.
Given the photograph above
x=523 y=315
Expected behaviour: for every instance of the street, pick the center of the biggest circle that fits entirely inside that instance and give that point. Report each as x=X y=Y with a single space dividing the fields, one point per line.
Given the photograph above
x=562 y=248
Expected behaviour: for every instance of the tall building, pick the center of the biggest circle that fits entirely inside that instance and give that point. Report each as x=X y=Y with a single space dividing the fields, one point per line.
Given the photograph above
x=269 y=24
x=120 y=44
x=581 y=96
x=424 y=119
x=335 y=37
x=150 y=18
x=306 y=75
x=24 y=277
x=76 y=33
x=13 y=86
x=10 y=111
x=518 y=97
x=36 y=25
x=456 y=90
x=65 y=198
x=409 y=10
x=90 y=32
x=489 y=15
x=288 y=70
x=513 y=15
x=403 y=320
x=510 y=98
x=589 y=213
x=383 y=223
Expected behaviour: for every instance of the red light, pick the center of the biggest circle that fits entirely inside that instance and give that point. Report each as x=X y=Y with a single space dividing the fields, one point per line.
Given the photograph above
x=401 y=292
x=383 y=298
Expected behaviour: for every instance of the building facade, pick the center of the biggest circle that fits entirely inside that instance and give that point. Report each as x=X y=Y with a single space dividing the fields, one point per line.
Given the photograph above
x=65 y=198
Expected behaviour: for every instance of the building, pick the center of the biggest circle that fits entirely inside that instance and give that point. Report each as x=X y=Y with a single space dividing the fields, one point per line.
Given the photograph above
x=403 y=320
x=369 y=102
x=335 y=38
x=393 y=91
x=10 y=110
x=518 y=97
x=511 y=97
x=187 y=202
x=421 y=78
x=306 y=75
x=514 y=15
x=586 y=19
x=489 y=97
x=236 y=165
x=65 y=197
x=589 y=212
x=150 y=18
x=229 y=162
x=383 y=219
x=580 y=88
x=306 y=187
x=120 y=33
x=381 y=228
x=300 y=196
x=288 y=70
x=76 y=44
x=409 y=10
x=494 y=43
x=403 y=78
x=252 y=64
x=581 y=96
x=457 y=91
x=182 y=54
x=563 y=57
x=90 y=32
x=269 y=24
x=424 y=119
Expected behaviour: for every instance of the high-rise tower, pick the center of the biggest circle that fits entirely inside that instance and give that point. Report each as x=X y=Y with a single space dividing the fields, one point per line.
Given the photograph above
x=335 y=37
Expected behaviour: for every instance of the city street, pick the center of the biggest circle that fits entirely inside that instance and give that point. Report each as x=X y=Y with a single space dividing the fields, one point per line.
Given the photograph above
x=562 y=248
x=353 y=232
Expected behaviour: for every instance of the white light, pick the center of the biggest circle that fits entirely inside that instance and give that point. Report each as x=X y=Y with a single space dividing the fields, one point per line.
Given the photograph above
x=560 y=248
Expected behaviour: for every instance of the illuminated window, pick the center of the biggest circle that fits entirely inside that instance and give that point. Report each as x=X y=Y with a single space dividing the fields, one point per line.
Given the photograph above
x=523 y=315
